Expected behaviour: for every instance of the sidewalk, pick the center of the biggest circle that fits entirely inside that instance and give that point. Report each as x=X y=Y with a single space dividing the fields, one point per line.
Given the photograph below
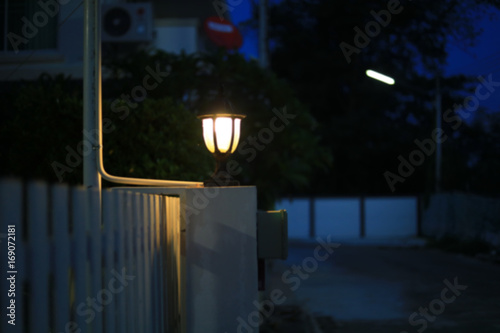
x=385 y=287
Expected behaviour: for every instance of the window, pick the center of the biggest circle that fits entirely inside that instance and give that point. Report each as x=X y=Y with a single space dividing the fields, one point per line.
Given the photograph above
x=28 y=25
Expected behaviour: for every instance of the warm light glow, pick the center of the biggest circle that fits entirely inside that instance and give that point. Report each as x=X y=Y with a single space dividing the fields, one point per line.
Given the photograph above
x=381 y=77
x=237 y=124
x=208 y=134
x=223 y=132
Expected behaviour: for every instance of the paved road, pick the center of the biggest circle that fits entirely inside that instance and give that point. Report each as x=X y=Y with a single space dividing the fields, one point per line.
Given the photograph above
x=370 y=289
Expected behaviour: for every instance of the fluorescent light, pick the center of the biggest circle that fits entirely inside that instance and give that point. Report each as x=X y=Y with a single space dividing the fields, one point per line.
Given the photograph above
x=381 y=77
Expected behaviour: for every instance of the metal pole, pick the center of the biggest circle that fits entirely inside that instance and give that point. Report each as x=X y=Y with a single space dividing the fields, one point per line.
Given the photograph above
x=91 y=93
x=263 y=33
x=312 y=217
x=438 y=143
x=362 y=217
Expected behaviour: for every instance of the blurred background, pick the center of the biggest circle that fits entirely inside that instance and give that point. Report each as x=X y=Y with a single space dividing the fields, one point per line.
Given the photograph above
x=312 y=59
x=348 y=156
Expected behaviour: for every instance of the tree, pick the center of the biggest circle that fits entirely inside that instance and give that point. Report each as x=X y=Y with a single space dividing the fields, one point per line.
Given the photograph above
x=323 y=49
x=150 y=101
x=279 y=149
x=41 y=129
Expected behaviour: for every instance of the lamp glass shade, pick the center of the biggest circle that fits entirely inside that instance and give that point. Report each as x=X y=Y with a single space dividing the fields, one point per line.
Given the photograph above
x=208 y=134
x=227 y=134
x=237 y=125
x=223 y=133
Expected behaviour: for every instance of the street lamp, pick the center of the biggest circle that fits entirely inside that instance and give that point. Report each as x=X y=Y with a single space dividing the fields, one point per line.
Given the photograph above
x=381 y=77
x=437 y=104
x=221 y=133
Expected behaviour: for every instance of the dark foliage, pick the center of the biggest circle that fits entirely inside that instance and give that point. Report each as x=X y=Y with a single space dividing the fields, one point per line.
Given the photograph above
x=317 y=47
x=157 y=134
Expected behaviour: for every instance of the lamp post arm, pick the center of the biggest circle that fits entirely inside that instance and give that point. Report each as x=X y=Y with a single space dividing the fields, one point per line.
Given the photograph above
x=127 y=180
x=437 y=106
x=94 y=109
x=142 y=181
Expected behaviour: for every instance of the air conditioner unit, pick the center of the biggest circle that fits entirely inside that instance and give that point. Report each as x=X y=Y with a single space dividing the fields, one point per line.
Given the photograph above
x=131 y=22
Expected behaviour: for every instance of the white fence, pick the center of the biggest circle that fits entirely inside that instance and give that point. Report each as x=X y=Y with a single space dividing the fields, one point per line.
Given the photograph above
x=72 y=271
x=352 y=217
x=463 y=215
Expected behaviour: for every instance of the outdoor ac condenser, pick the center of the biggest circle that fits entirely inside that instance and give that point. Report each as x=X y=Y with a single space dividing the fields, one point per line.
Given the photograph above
x=126 y=23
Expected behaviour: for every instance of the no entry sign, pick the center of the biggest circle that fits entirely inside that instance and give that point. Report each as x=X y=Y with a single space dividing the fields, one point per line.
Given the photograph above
x=223 y=33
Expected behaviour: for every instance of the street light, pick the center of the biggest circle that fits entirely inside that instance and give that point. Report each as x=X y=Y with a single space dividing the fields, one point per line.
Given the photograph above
x=221 y=133
x=389 y=80
x=381 y=77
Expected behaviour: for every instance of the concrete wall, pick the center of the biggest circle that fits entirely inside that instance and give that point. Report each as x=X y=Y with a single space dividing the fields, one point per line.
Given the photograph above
x=67 y=58
x=172 y=35
x=391 y=217
x=351 y=218
x=218 y=254
x=177 y=35
x=465 y=216
x=338 y=217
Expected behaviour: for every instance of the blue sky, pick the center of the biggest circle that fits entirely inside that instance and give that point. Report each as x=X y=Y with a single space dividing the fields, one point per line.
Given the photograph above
x=480 y=59
x=484 y=57
x=243 y=12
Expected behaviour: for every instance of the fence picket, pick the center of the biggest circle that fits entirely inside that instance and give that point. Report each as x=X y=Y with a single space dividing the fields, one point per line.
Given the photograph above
x=170 y=274
x=39 y=254
x=101 y=294
x=120 y=263
x=154 y=291
x=139 y=248
x=11 y=205
x=174 y=280
x=129 y=263
x=152 y=248
x=82 y=313
x=80 y=254
x=147 y=262
x=163 y=252
x=109 y=211
x=160 y=262
x=157 y=264
x=61 y=244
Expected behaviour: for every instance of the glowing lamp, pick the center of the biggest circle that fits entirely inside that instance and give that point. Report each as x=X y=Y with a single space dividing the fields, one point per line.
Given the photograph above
x=221 y=133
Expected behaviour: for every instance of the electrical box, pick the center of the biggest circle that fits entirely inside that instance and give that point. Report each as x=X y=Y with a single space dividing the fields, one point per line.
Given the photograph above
x=272 y=234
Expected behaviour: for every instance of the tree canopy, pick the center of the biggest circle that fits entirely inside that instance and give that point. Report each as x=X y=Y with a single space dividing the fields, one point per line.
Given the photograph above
x=150 y=102
x=315 y=123
x=323 y=48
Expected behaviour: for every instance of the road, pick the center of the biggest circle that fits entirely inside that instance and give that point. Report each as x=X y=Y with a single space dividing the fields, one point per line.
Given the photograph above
x=373 y=289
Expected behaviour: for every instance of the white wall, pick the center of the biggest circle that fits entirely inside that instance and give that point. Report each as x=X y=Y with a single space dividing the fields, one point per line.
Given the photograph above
x=338 y=217
x=67 y=58
x=463 y=215
x=176 y=35
x=385 y=217
x=391 y=217
x=171 y=35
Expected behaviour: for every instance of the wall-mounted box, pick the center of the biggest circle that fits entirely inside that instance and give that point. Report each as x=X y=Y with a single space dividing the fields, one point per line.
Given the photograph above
x=129 y=22
x=272 y=234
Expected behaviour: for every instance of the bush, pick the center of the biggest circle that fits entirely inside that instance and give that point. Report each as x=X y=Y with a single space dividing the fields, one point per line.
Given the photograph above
x=159 y=136
x=466 y=247
x=158 y=139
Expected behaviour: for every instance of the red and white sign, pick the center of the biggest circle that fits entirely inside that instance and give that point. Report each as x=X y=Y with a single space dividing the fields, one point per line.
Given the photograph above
x=223 y=33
